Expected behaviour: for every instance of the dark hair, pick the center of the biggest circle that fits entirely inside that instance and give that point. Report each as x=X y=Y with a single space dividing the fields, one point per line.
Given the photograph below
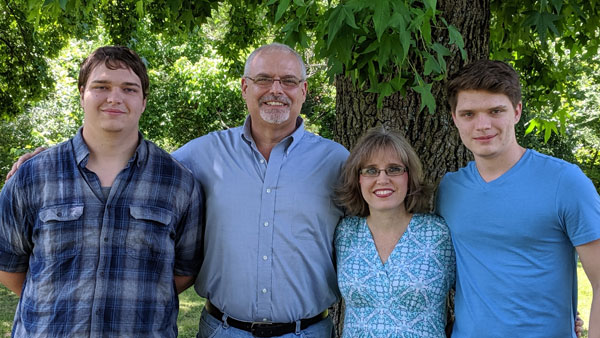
x=348 y=193
x=114 y=57
x=489 y=75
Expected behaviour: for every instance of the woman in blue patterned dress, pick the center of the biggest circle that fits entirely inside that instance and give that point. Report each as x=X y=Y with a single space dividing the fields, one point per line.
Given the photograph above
x=395 y=261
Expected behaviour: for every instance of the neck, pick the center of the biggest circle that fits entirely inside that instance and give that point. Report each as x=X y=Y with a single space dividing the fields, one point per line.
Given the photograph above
x=266 y=135
x=109 y=153
x=389 y=220
x=492 y=168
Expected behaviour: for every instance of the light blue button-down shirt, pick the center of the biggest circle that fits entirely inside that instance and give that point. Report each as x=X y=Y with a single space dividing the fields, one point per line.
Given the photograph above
x=269 y=224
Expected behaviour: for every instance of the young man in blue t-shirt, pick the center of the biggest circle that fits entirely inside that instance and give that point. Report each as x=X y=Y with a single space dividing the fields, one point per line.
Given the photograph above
x=518 y=219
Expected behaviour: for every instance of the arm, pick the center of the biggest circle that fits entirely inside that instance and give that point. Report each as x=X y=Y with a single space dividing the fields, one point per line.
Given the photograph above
x=22 y=159
x=13 y=281
x=589 y=254
x=183 y=282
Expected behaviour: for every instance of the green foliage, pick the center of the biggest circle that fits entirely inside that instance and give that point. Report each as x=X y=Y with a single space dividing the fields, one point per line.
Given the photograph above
x=551 y=44
x=383 y=46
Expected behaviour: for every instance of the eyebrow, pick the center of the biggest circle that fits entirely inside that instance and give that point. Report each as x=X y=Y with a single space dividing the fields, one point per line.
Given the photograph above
x=281 y=77
x=124 y=83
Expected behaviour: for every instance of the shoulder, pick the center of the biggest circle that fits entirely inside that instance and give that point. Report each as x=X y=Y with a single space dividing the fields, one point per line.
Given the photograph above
x=431 y=221
x=207 y=143
x=551 y=168
x=348 y=225
x=324 y=143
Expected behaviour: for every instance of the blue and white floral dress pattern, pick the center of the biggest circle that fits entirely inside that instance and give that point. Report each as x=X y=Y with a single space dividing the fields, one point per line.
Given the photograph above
x=406 y=296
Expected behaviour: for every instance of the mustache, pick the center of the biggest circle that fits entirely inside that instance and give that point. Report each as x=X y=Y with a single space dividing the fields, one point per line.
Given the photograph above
x=271 y=97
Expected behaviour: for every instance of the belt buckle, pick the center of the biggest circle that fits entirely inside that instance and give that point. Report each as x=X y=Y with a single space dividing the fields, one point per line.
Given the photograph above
x=262 y=329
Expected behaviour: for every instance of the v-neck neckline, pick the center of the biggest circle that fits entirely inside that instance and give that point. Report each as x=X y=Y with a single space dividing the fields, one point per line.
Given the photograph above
x=383 y=266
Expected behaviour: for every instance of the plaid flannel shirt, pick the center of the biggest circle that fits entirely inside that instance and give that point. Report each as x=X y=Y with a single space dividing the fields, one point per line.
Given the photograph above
x=99 y=267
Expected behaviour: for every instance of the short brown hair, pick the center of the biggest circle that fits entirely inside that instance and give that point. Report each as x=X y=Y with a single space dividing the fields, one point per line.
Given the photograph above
x=489 y=75
x=114 y=57
x=348 y=193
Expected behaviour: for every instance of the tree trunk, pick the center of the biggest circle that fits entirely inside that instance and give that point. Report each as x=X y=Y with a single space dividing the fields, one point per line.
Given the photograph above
x=433 y=136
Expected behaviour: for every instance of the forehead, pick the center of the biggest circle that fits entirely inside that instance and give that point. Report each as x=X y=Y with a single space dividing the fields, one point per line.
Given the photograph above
x=276 y=62
x=470 y=99
x=384 y=155
x=123 y=74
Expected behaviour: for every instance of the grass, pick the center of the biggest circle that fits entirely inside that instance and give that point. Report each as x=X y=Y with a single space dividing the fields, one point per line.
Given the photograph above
x=190 y=306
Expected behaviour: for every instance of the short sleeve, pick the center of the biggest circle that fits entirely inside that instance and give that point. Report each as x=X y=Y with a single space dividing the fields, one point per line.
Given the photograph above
x=578 y=205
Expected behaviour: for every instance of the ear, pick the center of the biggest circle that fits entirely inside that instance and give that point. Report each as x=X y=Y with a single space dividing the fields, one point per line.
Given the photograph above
x=454 y=117
x=81 y=90
x=518 y=111
x=244 y=86
x=304 y=90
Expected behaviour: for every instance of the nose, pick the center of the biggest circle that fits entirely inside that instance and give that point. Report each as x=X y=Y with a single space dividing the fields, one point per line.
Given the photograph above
x=482 y=122
x=115 y=96
x=276 y=87
x=383 y=177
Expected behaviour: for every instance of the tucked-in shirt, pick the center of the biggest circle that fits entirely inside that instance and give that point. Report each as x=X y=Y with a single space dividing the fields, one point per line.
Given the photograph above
x=269 y=224
x=406 y=295
x=514 y=239
x=99 y=268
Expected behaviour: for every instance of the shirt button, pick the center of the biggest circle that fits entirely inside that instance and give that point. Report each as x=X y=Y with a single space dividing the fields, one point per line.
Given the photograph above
x=265 y=258
x=262 y=161
x=266 y=224
x=268 y=191
x=106 y=239
x=265 y=319
x=264 y=290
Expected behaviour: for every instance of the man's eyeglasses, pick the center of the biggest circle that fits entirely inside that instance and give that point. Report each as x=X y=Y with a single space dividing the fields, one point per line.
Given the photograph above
x=390 y=171
x=266 y=82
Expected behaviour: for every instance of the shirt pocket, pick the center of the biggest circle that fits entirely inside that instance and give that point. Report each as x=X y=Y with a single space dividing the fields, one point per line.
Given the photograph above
x=150 y=233
x=60 y=231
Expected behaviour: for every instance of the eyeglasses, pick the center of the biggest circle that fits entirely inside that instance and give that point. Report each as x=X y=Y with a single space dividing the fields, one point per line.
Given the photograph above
x=390 y=171
x=267 y=82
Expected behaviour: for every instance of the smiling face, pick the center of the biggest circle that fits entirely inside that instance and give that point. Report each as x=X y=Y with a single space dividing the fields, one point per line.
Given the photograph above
x=384 y=193
x=486 y=124
x=112 y=101
x=274 y=106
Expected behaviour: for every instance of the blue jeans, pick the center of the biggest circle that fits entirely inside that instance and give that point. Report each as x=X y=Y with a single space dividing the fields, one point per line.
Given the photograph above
x=211 y=327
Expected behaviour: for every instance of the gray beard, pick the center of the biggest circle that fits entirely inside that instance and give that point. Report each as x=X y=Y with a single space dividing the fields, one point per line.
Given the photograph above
x=274 y=118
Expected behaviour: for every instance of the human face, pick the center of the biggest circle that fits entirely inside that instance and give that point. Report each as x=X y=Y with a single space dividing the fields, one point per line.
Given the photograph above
x=486 y=124
x=384 y=193
x=275 y=105
x=112 y=100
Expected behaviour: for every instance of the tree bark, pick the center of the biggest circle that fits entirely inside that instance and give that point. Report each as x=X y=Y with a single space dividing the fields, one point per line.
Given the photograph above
x=433 y=136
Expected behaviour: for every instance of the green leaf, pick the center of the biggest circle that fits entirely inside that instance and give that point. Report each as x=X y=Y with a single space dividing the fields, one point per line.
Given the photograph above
x=349 y=17
x=431 y=5
x=334 y=24
x=457 y=39
x=398 y=83
x=557 y=4
x=442 y=52
x=384 y=52
x=299 y=3
x=426 y=31
x=381 y=17
x=139 y=8
x=281 y=8
x=63 y=4
x=427 y=98
x=431 y=65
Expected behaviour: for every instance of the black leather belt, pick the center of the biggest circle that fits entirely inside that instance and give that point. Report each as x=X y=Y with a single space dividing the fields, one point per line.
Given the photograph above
x=265 y=329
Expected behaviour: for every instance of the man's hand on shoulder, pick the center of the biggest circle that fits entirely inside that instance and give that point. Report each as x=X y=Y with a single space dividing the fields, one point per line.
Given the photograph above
x=21 y=160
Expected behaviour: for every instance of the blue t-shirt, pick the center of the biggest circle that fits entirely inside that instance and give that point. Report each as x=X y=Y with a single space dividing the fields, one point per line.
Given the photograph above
x=514 y=239
x=406 y=296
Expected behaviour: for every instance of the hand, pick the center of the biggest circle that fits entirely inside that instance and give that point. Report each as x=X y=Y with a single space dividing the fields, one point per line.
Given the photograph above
x=578 y=325
x=22 y=159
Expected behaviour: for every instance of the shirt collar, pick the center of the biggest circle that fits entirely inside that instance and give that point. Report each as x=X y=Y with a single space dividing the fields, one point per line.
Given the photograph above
x=291 y=140
x=82 y=151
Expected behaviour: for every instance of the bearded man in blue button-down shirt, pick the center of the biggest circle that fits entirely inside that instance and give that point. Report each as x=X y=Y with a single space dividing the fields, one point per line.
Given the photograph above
x=268 y=257
x=99 y=233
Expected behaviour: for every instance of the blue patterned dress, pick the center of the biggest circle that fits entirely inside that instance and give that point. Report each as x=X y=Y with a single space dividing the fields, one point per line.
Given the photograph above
x=406 y=296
